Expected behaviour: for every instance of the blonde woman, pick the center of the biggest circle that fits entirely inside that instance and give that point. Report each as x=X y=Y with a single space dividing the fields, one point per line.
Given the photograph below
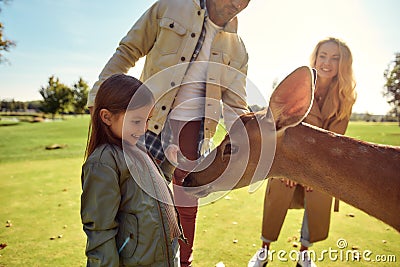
x=333 y=101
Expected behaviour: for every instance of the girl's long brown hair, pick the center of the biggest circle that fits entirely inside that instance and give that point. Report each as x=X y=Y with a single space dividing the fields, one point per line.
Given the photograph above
x=115 y=95
x=344 y=82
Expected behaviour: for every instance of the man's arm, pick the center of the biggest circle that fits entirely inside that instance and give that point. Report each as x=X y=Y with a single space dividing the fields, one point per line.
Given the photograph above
x=136 y=44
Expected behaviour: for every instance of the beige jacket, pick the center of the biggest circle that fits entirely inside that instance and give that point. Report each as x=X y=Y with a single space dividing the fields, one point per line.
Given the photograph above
x=167 y=34
x=279 y=198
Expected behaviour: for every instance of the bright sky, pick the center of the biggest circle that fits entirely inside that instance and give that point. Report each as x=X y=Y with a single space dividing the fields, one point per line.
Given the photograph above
x=75 y=38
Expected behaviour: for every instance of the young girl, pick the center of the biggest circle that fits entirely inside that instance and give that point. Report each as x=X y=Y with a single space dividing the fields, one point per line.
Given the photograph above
x=126 y=206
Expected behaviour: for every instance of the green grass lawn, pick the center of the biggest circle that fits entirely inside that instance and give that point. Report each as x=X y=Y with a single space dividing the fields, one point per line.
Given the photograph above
x=375 y=132
x=40 y=193
x=27 y=141
x=40 y=198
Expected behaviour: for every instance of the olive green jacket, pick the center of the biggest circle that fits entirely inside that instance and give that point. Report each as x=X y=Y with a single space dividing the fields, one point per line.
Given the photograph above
x=114 y=208
x=167 y=34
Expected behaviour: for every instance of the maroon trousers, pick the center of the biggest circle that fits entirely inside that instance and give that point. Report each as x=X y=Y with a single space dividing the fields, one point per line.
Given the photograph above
x=188 y=134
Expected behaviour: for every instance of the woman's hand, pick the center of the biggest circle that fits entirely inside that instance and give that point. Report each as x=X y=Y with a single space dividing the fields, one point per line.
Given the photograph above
x=291 y=184
x=307 y=188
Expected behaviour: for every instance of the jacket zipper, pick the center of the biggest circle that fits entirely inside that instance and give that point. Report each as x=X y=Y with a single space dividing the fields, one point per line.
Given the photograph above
x=165 y=233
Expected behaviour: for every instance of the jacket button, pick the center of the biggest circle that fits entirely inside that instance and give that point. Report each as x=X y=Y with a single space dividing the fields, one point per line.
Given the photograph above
x=183 y=58
x=156 y=127
x=163 y=107
x=193 y=35
x=172 y=84
x=198 y=13
x=171 y=25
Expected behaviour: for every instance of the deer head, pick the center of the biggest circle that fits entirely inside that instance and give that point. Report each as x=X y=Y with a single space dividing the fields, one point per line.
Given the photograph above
x=247 y=151
x=275 y=143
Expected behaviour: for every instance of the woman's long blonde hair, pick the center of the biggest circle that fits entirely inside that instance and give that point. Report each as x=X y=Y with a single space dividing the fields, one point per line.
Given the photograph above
x=344 y=82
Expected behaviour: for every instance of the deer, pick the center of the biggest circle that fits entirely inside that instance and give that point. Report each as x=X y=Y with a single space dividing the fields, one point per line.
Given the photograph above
x=363 y=174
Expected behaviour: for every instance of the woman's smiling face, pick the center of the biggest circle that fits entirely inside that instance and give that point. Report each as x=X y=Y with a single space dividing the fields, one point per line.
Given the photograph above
x=327 y=62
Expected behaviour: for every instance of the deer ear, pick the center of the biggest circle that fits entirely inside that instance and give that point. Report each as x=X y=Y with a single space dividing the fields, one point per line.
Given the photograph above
x=292 y=98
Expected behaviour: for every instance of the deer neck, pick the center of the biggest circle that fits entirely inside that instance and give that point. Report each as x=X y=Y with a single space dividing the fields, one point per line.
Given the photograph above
x=356 y=172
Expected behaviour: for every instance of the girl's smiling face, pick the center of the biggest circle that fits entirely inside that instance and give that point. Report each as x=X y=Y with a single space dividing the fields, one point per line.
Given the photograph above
x=129 y=125
x=135 y=123
x=327 y=61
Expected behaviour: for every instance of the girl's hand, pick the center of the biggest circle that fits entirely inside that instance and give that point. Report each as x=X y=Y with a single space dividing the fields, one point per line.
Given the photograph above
x=172 y=154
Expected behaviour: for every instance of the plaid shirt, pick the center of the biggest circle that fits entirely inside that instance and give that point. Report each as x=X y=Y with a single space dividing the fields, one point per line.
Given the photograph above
x=155 y=143
x=152 y=141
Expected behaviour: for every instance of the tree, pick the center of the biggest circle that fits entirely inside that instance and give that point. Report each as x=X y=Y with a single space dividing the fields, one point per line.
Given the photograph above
x=12 y=105
x=35 y=105
x=5 y=45
x=392 y=86
x=56 y=97
x=80 y=90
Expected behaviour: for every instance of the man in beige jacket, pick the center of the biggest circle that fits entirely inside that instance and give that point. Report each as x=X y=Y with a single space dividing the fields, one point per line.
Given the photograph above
x=194 y=60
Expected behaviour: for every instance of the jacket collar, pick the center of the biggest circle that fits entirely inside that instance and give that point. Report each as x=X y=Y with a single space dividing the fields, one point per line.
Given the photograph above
x=197 y=3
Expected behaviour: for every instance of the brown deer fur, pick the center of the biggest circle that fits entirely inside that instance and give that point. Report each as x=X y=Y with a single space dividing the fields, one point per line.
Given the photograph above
x=362 y=174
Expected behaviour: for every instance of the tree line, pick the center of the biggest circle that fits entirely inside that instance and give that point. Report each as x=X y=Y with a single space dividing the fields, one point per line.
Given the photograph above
x=58 y=98
x=392 y=86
